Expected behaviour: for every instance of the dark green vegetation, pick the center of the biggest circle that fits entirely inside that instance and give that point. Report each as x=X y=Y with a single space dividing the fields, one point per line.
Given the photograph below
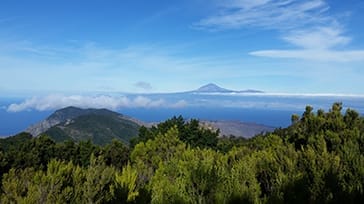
x=100 y=129
x=318 y=159
x=100 y=126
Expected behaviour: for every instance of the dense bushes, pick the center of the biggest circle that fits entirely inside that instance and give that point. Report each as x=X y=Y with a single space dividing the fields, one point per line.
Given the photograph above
x=318 y=159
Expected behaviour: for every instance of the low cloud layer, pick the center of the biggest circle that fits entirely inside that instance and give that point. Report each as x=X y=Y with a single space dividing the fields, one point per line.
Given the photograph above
x=53 y=102
x=260 y=101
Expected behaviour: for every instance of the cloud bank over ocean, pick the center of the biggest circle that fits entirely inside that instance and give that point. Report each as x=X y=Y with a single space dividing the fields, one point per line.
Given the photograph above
x=57 y=101
x=275 y=101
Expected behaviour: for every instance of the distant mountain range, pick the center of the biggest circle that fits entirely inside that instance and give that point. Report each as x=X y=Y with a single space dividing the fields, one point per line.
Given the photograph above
x=101 y=126
x=213 y=88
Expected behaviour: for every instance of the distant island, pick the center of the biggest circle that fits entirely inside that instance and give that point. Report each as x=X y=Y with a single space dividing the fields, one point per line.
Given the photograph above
x=213 y=88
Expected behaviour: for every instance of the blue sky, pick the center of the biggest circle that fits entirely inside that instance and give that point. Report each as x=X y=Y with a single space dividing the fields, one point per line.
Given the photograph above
x=280 y=46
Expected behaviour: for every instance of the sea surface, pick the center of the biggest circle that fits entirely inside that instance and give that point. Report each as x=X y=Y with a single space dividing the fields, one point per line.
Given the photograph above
x=272 y=110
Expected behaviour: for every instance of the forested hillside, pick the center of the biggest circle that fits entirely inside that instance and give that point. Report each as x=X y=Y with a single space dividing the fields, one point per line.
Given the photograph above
x=318 y=159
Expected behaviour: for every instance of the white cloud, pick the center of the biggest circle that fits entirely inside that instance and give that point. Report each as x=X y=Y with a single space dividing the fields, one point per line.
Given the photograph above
x=142 y=101
x=272 y=14
x=53 y=102
x=318 y=38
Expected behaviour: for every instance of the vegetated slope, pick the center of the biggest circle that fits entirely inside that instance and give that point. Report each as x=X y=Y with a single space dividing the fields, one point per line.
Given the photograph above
x=98 y=125
x=100 y=129
x=13 y=141
x=56 y=118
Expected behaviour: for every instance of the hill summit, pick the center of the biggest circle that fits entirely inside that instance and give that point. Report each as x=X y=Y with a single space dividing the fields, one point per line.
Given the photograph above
x=98 y=125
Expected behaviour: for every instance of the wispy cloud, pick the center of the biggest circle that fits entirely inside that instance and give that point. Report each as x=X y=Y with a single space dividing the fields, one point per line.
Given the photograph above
x=272 y=14
x=53 y=102
x=307 y=25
